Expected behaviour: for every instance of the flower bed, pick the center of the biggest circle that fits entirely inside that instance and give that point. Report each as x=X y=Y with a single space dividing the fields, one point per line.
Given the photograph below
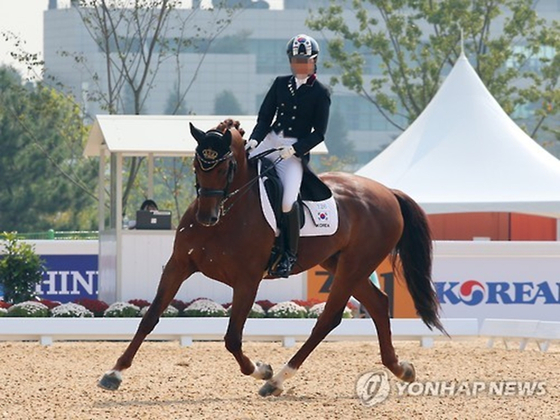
x=200 y=308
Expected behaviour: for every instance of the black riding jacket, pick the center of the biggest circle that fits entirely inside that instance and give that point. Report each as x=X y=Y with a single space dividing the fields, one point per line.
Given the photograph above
x=301 y=113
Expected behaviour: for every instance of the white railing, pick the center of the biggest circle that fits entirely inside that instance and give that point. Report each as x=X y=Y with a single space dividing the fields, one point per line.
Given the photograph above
x=287 y=331
x=187 y=330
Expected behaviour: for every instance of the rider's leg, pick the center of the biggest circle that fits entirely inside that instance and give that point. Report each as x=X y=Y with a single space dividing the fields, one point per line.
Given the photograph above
x=290 y=172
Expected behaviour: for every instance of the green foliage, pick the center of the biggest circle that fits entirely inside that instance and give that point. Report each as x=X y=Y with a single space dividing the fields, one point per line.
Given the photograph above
x=409 y=46
x=169 y=312
x=28 y=309
x=135 y=39
x=122 y=310
x=204 y=308
x=21 y=270
x=227 y=104
x=287 y=310
x=46 y=182
x=71 y=310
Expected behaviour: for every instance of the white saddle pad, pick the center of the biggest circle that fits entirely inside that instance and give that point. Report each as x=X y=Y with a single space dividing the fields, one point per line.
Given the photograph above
x=321 y=217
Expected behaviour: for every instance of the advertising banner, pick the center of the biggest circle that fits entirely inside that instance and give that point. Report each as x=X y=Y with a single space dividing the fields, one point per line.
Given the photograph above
x=319 y=283
x=71 y=269
x=494 y=282
x=506 y=280
x=69 y=277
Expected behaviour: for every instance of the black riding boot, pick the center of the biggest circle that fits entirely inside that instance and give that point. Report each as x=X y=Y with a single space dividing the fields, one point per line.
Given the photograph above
x=290 y=232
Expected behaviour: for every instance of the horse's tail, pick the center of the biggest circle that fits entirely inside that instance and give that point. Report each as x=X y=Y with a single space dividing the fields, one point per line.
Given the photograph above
x=415 y=251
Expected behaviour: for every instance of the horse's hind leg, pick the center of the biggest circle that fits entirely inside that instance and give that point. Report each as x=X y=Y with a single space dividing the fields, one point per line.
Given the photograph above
x=243 y=298
x=327 y=321
x=377 y=304
x=173 y=275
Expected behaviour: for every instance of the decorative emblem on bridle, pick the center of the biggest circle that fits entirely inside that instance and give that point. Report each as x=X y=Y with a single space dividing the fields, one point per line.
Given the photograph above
x=209 y=154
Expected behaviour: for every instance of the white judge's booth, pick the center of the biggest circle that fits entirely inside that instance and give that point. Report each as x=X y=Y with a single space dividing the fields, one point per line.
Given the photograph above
x=131 y=261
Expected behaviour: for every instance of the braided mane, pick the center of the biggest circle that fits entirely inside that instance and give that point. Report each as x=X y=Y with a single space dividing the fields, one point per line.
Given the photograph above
x=229 y=123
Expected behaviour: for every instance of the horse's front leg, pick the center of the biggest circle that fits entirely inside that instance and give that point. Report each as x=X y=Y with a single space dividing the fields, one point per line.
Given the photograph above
x=173 y=275
x=243 y=298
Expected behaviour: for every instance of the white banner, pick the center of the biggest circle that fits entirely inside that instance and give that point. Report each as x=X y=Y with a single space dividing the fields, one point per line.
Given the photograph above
x=508 y=280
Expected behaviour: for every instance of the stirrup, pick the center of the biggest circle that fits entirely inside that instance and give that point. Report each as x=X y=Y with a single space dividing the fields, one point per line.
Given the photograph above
x=284 y=266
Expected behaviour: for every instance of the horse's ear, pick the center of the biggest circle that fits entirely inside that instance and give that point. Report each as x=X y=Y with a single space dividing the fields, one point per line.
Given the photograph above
x=227 y=138
x=198 y=135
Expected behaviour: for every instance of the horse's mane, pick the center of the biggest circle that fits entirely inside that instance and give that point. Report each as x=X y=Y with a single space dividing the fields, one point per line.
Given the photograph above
x=228 y=124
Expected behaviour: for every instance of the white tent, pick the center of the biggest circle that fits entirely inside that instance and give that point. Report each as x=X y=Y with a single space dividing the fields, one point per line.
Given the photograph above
x=464 y=154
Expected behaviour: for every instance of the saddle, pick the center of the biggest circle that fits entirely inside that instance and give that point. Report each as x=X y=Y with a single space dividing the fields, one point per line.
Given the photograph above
x=312 y=189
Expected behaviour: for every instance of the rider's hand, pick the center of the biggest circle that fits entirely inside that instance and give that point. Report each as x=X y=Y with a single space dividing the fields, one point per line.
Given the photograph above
x=286 y=152
x=251 y=144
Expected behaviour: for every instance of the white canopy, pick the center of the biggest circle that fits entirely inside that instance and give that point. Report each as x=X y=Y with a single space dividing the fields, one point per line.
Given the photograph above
x=160 y=135
x=464 y=154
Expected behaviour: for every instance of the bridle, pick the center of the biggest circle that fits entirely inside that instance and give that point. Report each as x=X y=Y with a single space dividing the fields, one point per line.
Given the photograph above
x=208 y=165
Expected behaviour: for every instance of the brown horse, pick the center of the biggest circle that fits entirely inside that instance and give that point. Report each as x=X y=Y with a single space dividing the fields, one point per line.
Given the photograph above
x=224 y=235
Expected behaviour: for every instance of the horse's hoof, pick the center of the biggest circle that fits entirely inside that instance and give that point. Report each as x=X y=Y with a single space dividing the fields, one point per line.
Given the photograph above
x=111 y=380
x=269 y=389
x=409 y=373
x=264 y=370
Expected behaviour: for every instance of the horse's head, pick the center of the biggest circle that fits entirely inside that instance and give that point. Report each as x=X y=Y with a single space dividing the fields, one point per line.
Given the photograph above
x=215 y=166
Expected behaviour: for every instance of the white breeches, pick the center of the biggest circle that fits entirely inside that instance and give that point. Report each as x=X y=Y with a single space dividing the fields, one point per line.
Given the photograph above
x=289 y=170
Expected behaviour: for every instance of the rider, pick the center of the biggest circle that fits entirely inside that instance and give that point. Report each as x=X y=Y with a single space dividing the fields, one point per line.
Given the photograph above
x=299 y=105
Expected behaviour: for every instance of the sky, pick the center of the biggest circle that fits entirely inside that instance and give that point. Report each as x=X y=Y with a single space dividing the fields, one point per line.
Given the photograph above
x=24 y=18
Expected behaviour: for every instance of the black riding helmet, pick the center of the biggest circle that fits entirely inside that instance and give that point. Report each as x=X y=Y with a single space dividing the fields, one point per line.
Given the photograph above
x=302 y=46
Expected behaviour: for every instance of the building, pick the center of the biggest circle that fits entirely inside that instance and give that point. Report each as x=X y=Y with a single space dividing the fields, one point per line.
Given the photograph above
x=239 y=64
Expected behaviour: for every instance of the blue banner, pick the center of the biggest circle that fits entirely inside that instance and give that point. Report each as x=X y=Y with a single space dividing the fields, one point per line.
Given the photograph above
x=69 y=277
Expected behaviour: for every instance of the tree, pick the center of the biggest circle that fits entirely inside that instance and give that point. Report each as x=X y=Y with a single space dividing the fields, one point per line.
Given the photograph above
x=21 y=270
x=227 y=104
x=44 y=181
x=136 y=37
x=337 y=135
x=416 y=42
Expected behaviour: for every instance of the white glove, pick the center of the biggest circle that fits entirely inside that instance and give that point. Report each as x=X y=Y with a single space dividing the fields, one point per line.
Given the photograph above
x=286 y=152
x=251 y=144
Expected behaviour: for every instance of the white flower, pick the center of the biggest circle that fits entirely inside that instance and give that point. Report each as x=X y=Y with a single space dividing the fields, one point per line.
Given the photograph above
x=3 y=312
x=121 y=310
x=29 y=308
x=318 y=309
x=257 y=309
x=71 y=310
x=287 y=310
x=170 y=311
x=205 y=307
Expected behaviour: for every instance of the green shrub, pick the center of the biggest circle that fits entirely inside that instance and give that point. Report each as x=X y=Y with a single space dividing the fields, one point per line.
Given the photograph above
x=122 y=310
x=71 y=310
x=318 y=309
x=169 y=312
x=287 y=310
x=21 y=270
x=29 y=309
x=204 y=308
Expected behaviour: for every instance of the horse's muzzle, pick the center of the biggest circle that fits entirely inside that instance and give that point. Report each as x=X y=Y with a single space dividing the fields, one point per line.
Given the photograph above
x=208 y=216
